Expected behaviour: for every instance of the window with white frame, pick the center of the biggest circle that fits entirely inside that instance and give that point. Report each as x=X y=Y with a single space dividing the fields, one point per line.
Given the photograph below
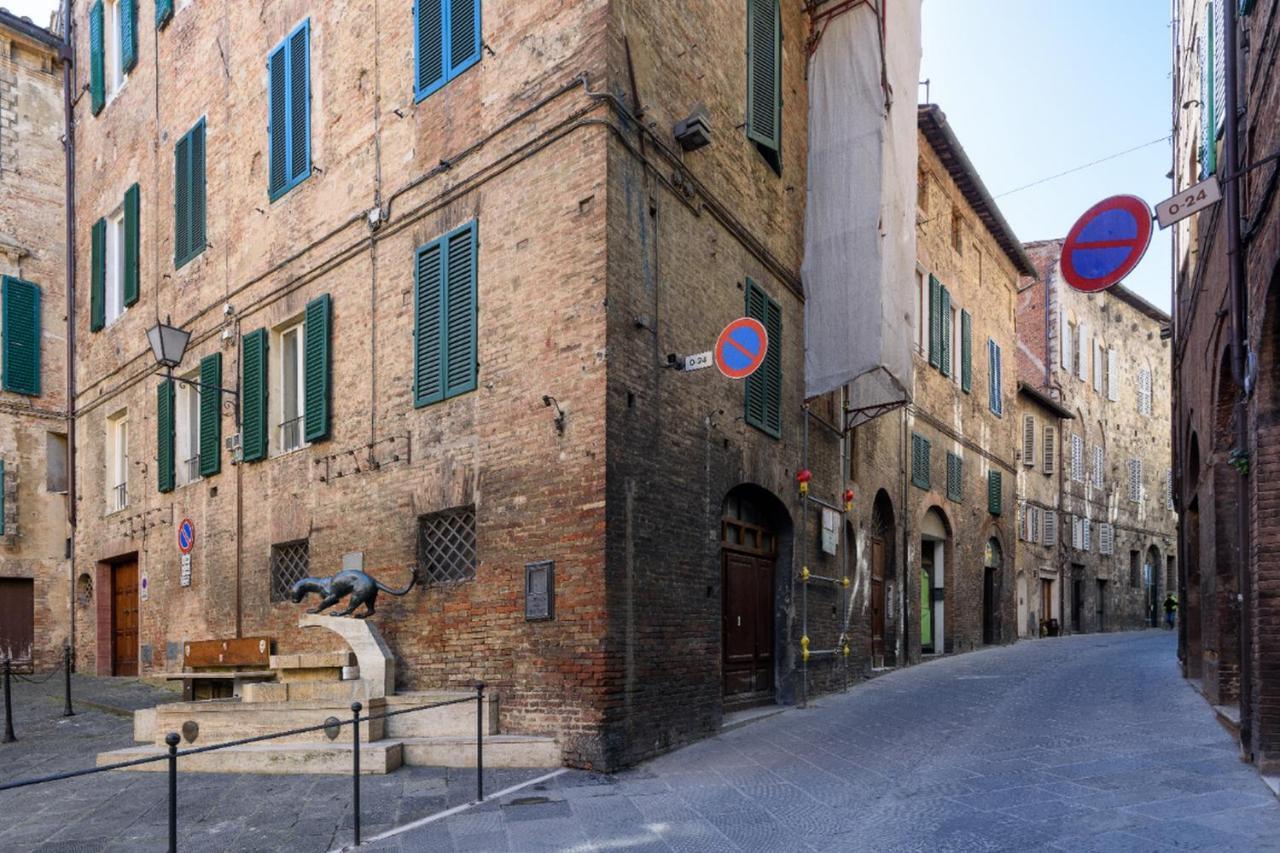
x=1082 y=352
x=1113 y=378
x=117 y=479
x=186 y=429
x=112 y=42
x=1077 y=458
x=1135 y=480
x=114 y=290
x=1099 y=462
x=290 y=389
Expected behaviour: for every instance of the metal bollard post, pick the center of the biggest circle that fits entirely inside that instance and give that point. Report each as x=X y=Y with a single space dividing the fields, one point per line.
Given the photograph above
x=355 y=766
x=66 y=689
x=172 y=739
x=480 y=742
x=8 y=705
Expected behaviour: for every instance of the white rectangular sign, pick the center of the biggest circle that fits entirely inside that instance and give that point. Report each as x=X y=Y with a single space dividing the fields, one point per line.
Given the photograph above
x=185 y=579
x=1193 y=199
x=697 y=361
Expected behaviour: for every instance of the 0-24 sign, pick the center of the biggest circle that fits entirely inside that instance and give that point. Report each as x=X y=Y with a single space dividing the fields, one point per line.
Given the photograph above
x=1193 y=199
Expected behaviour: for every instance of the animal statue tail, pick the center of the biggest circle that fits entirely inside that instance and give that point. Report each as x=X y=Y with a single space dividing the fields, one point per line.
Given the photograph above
x=413 y=580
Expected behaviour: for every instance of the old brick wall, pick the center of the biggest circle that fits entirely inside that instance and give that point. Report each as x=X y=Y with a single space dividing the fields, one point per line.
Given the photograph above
x=32 y=247
x=511 y=144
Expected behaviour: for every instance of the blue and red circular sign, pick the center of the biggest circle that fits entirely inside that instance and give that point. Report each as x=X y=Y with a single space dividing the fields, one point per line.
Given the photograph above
x=186 y=536
x=1106 y=243
x=741 y=348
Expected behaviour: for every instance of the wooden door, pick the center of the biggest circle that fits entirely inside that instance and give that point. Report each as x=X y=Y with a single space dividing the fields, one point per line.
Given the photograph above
x=124 y=618
x=988 y=606
x=17 y=618
x=748 y=625
x=1046 y=599
x=877 y=601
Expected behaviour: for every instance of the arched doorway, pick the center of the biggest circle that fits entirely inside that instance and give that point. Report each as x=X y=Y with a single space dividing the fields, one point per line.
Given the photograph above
x=754 y=531
x=1151 y=581
x=933 y=582
x=883 y=652
x=992 y=560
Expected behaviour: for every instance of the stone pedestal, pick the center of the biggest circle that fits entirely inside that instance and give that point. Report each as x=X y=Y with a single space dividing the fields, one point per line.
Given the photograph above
x=377 y=666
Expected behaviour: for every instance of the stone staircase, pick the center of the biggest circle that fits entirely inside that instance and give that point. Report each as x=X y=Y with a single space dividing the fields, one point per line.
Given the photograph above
x=310 y=689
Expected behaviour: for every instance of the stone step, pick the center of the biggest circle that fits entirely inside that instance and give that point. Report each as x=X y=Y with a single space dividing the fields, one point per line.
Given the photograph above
x=225 y=720
x=499 y=751
x=337 y=692
x=448 y=721
x=272 y=758
x=315 y=660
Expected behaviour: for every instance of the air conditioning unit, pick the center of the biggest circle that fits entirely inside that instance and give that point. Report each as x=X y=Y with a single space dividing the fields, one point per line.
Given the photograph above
x=234 y=447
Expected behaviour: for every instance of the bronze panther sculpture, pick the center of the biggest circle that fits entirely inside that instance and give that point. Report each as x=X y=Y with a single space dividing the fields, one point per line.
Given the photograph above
x=362 y=588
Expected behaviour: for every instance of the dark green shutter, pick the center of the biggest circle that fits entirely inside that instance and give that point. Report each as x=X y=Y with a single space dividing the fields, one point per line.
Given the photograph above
x=966 y=351
x=131 y=239
x=935 y=322
x=995 y=493
x=197 y=189
x=253 y=388
x=299 y=104
x=428 y=326
x=189 y=196
x=128 y=34
x=945 y=366
x=955 y=477
x=460 y=312
x=164 y=436
x=98 y=277
x=277 y=130
x=764 y=73
x=20 y=329
x=919 y=461
x=763 y=389
x=164 y=11
x=211 y=415
x=316 y=368
x=97 y=62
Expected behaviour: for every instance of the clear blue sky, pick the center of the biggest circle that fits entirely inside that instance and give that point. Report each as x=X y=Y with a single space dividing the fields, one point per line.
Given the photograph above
x=37 y=10
x=1034 y=87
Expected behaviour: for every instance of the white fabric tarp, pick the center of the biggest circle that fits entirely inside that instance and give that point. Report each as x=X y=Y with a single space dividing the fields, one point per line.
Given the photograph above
x=860 y=236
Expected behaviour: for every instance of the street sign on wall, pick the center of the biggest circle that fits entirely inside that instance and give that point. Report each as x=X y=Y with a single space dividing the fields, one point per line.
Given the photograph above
x=1193 y=199
x=1106 y=243
x=741 y=348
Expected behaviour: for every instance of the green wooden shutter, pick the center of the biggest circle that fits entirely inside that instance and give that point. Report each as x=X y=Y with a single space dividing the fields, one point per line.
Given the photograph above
x=1208 y=119
x=253 y=390
x=164 y=11
x=97 y=62
x=316 y=368
x=764 y=73
x=197 y=190
x=935 y=322
x=763 y=389
x=131 y=248
x=181 y=201
x=955 y=478
x=995 y=492
x=277 y=130
x=211 y=415
x=299 y=103
x=966 y=351
x=460 y=311
x=428 y=326
x=919 y=461
x=128 y=34
x=1 y=497
x=164 y=436
x=20 y=329
x=429 y=47
x=98 y=277
x=945 y=366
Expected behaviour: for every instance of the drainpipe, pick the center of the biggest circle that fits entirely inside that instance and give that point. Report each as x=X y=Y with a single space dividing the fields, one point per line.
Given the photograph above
x=67 y=56
x=1239 y=353
x=1180 y=545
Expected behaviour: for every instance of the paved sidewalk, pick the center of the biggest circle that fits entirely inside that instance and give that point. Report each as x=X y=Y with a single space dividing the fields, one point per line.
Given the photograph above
x=128 y=811
x=1086 y=743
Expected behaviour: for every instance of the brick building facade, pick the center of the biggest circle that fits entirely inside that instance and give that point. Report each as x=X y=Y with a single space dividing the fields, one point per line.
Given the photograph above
x=35 y=588
x=1039 y=586
x=443 y=273
x=1226 y=396
x=1105 y=359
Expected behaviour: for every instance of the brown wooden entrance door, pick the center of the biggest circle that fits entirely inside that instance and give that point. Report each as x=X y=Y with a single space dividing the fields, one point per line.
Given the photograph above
x=124 y=618
x=877 y=601
x=748 y=626
x=17 y=618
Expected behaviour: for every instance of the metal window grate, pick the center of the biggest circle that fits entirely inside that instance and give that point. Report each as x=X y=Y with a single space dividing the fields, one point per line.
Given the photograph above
x=290 y=563
x=447 y=546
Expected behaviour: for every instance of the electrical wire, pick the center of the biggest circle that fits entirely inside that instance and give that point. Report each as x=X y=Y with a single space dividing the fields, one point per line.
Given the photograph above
x=1164 y=138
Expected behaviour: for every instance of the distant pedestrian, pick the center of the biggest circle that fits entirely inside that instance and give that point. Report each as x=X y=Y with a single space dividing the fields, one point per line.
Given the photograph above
x=1170 y=608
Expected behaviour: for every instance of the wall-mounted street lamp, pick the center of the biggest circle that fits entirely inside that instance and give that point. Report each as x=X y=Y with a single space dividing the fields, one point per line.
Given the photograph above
x=168 y=345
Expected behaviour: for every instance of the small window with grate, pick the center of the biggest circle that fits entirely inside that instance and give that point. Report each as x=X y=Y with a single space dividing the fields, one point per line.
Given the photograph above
x=447 y=546
x=290 y=563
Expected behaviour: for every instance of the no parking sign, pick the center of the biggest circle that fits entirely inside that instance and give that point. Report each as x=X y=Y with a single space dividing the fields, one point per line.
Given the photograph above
x=186 y=541
x=1106 y=243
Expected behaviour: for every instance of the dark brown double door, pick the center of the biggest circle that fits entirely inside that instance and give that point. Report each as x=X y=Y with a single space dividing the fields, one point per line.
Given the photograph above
x=17 y=618
x=877 y=601
x=124 y=618
x=748 y=627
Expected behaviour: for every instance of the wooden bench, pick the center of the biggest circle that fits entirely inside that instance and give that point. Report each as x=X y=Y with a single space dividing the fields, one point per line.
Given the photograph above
x=215 y=669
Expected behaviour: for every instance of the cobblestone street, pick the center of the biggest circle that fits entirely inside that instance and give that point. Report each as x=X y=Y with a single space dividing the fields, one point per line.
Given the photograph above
x=1087 y=743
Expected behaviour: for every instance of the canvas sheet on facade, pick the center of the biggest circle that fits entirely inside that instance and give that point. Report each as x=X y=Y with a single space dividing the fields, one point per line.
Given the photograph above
x=860 y=239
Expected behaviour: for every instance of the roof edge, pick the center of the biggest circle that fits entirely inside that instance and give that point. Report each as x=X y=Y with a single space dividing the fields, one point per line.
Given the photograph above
x=1045 y=400
x=29 y=29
